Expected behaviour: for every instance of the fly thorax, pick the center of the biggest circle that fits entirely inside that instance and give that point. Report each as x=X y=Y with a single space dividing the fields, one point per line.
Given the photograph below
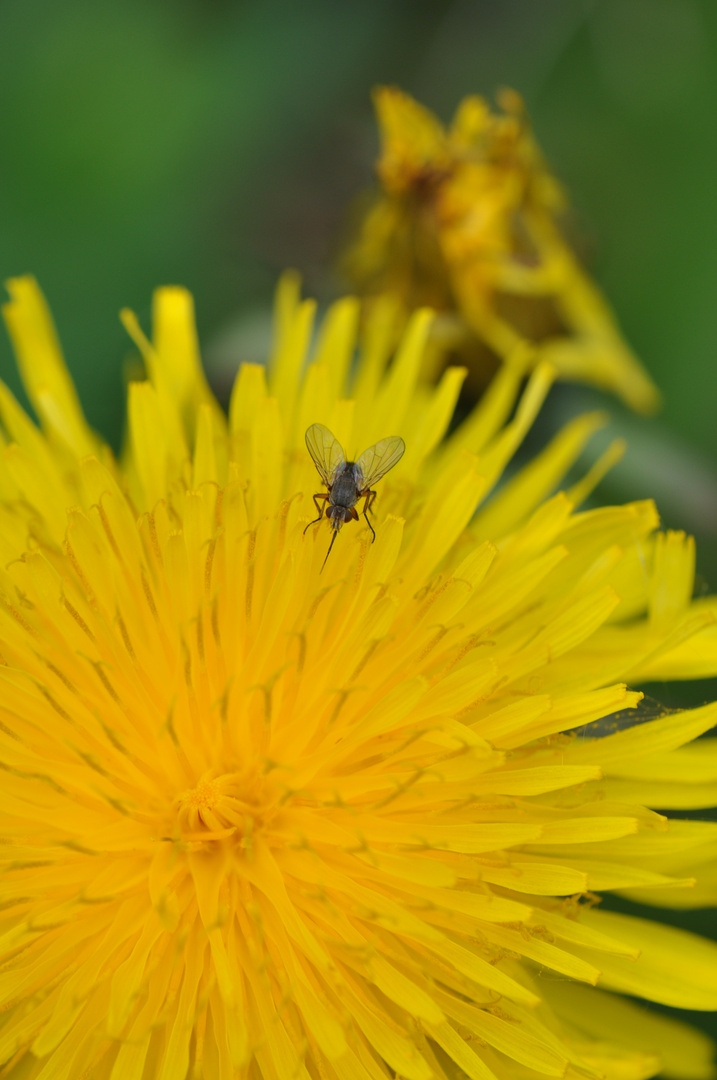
x=343 y=490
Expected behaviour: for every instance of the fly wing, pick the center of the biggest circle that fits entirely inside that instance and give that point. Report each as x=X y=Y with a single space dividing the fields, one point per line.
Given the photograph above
x=326 y=452
x=377 y=460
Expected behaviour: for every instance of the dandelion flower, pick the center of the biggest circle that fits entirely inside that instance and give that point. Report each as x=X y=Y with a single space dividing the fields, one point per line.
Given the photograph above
x=265 y=823
x=466 y=222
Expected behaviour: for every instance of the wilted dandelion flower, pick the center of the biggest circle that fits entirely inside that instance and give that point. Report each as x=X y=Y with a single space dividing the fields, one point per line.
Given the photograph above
x=263 y=823
x=467 y=221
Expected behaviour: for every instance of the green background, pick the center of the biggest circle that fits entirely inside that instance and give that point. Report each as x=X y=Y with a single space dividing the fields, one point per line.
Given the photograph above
x=213 y=143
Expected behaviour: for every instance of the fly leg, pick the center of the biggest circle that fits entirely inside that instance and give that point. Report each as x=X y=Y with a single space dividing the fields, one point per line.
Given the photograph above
x=319 y=508
x=370 y=497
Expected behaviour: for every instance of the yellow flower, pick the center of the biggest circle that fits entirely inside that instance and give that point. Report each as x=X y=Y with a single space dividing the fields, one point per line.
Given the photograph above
x=466 y=222
x=262 y=822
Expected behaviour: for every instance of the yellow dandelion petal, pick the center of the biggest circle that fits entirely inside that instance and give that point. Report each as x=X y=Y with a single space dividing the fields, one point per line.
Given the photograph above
x=683 y=1052
x=268 y=815
x=43 y=370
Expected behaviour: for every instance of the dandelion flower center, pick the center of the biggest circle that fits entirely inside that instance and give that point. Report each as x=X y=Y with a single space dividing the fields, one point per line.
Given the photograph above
x=230 y=804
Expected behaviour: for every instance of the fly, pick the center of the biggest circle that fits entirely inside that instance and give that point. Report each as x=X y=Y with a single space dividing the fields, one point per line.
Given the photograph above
x=348 y=481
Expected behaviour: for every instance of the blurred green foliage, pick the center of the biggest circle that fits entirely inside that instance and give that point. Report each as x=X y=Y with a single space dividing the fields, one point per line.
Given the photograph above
x=212 y=143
